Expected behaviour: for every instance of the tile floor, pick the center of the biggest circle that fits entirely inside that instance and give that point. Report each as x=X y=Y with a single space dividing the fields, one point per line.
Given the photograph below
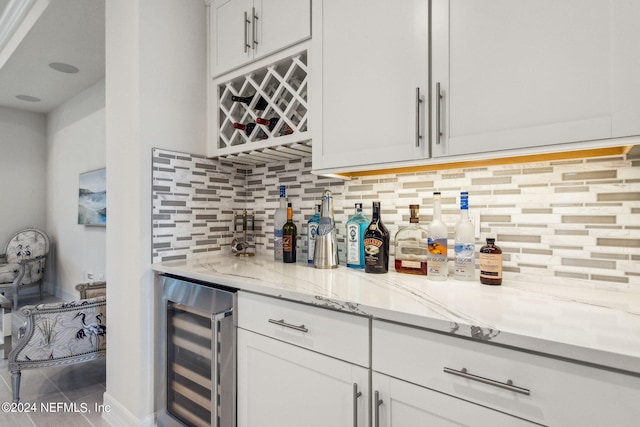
x=55 y=389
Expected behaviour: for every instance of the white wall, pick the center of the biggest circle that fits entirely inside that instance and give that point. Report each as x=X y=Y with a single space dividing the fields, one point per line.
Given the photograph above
x=22 y=172
x=155 y=97
x=75 y=144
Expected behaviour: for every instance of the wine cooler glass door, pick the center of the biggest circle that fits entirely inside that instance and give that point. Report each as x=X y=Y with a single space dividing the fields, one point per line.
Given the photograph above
x=200 y=366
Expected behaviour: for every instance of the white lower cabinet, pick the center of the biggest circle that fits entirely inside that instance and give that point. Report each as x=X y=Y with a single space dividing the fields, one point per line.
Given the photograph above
x=281 y=385
x=292 y=370
x=461 y=379
x=402 y=404
x=301 y=365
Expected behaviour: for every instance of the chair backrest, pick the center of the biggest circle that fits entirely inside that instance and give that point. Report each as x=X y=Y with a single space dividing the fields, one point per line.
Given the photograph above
x=28 y=244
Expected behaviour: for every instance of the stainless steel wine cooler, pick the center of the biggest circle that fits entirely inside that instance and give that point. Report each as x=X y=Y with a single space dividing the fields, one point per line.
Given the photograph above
x=199 y=369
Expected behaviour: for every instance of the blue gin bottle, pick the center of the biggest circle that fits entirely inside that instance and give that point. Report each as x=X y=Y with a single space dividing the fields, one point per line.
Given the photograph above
x=356 y=226
x=312 y=230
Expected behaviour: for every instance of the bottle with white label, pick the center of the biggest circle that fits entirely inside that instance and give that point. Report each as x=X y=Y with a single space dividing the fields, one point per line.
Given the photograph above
x=412 y=246
x=490 y=263
x=312 y=229
x=356 y=226
x=464 y=268
x=437 y=263
x=279 y=219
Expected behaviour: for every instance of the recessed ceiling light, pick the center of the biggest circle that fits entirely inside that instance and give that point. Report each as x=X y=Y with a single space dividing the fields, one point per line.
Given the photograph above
x=28 y=98
x=64 y=68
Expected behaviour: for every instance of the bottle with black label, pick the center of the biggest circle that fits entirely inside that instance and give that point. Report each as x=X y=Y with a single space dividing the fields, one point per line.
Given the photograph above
x=289 y=236
x=376 y=244
x=490 y=263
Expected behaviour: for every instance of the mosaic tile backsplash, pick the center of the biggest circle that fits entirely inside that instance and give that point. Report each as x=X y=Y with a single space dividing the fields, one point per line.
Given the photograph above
x=572 y=222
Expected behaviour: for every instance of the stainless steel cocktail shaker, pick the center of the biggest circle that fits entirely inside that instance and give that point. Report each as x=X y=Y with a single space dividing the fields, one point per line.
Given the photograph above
x=326 y=249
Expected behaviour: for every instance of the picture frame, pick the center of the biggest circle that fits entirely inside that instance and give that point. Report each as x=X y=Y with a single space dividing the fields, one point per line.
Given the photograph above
x=92 y=197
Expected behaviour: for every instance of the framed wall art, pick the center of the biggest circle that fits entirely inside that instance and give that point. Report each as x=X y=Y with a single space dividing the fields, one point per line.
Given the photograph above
x=92 y=198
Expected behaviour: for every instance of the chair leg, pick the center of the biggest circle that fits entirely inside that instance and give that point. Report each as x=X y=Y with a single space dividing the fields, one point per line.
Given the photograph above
x=15 y=300
x=15 y=385
x=40 y=290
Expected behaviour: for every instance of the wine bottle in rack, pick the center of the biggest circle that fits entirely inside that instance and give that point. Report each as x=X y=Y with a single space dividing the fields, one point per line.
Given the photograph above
x=260 y=105
x=248 y=129
x=270 y=123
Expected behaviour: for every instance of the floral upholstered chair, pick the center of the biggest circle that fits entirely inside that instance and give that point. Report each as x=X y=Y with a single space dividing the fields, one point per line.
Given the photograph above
x=23 y=261
x=60 y=334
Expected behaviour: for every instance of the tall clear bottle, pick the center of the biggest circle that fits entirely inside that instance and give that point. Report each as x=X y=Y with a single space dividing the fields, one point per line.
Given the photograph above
x=312 y=230
x=356 y=227
x=437 y=268
x=376 y=244
x=465 y=242
x=279 y=219
x=412 y=246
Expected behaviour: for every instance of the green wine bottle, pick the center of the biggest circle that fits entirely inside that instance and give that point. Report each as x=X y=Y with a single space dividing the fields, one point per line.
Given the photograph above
x=289 y=235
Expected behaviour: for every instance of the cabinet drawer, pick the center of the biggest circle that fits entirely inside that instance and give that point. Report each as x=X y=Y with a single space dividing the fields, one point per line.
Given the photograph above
x=559 y=392
x=336 y=334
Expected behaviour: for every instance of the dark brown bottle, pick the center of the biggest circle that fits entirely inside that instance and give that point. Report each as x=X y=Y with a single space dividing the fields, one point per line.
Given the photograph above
x=260 y=105
x=270 y=123
x=248 y=128
x=376 y=244
x=289 y=236
x=490 y=263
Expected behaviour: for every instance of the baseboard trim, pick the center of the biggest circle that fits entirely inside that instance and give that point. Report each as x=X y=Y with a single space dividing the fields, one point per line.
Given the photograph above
x=117 y=415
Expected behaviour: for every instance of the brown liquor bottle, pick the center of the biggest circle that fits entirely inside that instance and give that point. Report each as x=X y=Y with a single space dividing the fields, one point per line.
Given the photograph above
x=376 y=244
x=490 y=263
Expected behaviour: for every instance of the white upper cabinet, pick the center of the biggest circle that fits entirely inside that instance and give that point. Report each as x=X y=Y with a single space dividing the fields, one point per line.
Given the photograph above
x=531 y=73
x=241 y=31
x=369 y=60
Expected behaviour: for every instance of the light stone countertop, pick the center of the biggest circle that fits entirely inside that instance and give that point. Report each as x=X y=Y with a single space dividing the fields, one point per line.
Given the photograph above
x=588 y=325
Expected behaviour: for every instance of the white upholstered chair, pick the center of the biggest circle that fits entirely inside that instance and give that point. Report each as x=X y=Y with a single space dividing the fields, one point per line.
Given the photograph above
x=59 y=334
x=23 y=261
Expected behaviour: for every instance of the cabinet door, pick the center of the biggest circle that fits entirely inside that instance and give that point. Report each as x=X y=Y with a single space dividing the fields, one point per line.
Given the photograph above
x=281 y=23
x=370 y=57
x=229 y=34
x=530 y=73
x=281 y=385
x=402 y=404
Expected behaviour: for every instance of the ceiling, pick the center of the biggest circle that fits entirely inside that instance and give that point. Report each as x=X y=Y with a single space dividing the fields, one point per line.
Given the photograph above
x=69 y=32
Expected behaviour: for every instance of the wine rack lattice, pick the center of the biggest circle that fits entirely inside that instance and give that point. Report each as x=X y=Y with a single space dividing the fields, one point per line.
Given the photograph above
x=283 y=85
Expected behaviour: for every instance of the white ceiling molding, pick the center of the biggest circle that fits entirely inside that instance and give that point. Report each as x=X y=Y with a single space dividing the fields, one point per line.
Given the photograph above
x=17 y=19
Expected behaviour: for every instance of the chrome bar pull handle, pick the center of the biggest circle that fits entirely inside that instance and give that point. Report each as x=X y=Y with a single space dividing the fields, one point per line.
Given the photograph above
x=376 y=408
x=438 y=105
x=281 y=322
x=418 y=102
x=356 y=395
x=506 y=385
x=246 y=32
x=254 y=21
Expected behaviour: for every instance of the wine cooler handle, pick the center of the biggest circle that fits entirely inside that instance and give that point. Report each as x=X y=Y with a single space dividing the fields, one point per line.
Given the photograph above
x=356 y=395
x=508 y=385
x=246 y=33
x=281 y=322
x=254 y=22
x=215 y=362
x=376 y=408
x=418 y=102
x=438 y=102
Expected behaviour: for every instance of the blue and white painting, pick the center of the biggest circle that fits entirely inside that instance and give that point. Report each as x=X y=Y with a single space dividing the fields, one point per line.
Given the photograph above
x=92 y=198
